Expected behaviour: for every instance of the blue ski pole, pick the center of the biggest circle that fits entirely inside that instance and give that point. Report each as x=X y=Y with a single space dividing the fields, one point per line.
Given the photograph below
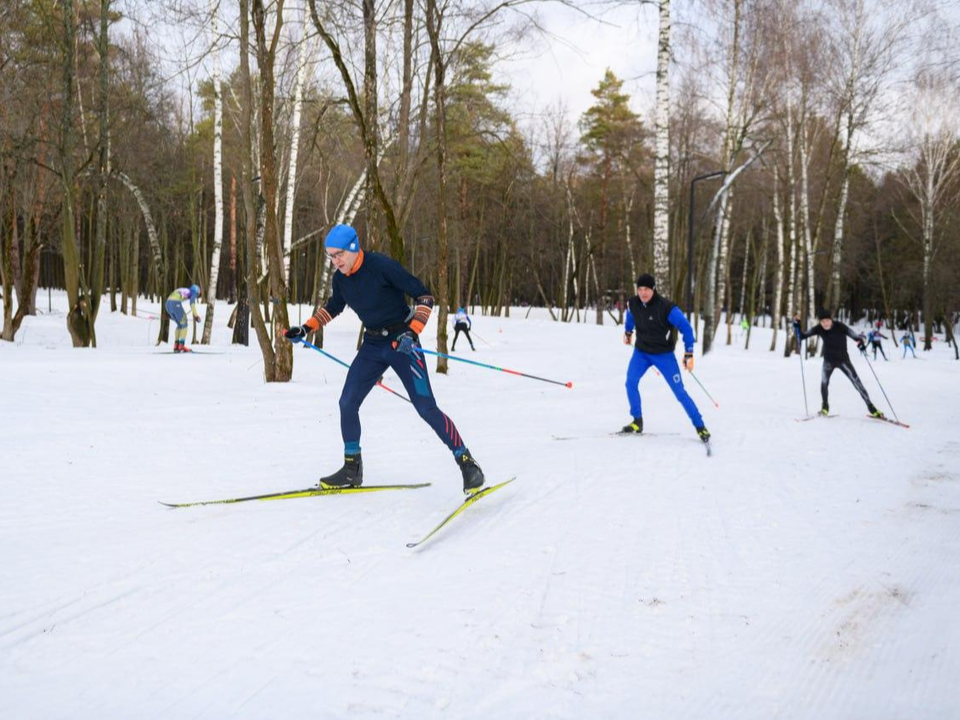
x=346 y=365
x=493 y=367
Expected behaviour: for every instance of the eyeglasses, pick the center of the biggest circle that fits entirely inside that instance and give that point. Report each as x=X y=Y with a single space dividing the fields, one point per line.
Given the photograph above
x=335 y=255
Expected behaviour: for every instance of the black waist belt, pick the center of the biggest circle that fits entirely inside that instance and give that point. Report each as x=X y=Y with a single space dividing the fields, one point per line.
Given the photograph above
x=385 y=331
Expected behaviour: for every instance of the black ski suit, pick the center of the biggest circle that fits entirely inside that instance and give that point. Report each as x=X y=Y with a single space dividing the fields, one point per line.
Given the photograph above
x=835 y=357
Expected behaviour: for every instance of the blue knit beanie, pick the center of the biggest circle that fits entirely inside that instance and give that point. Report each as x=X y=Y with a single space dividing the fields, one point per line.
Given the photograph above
x=343 y=237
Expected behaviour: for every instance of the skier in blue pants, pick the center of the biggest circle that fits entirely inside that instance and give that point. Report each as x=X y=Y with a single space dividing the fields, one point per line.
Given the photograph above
x=655 y=318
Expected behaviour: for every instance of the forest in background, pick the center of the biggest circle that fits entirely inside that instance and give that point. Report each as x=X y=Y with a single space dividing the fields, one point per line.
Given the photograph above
x=834 y=123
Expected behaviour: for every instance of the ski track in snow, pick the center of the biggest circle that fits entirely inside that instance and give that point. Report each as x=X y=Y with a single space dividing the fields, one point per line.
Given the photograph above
x=806 y=570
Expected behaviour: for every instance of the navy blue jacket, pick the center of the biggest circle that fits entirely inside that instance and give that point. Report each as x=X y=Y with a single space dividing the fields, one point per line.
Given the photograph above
x=376 y=292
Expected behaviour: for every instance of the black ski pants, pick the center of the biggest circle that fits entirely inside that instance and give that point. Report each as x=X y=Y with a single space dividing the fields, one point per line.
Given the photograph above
x=847 y=369
x=461 y=328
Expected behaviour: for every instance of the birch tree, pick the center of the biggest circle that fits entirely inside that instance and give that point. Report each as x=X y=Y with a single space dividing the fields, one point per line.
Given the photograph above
x=865 y=50
x=775 y=309
x=933 y=165
x=296 y=114
x=661 y=166
x=218 y=219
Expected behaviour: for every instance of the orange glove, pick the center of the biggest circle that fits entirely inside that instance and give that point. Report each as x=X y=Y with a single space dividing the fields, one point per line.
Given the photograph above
x=688 y=361
x=627 y=338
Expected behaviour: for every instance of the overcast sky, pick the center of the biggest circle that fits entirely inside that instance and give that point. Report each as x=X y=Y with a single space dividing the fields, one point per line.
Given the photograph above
x=569 y=61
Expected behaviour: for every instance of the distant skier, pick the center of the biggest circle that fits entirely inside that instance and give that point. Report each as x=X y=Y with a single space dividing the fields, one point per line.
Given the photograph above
x=874 y=339
x=908 y=344
x=835 y=357
x=174 y=308
x=374 y=286
x=462 y=324
x=655 y=318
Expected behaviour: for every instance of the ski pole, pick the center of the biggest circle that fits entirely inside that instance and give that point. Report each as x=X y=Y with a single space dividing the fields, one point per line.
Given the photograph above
x=870 y=365
x=803 y=377
x=493 y=367
x=477 y=336
x=346 y=365
x=715 y=403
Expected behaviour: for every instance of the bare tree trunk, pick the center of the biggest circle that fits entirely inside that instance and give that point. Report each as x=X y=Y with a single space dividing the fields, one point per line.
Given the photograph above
x=103 y=109
x=434 y=27
x=661 y=168
x=570 y=269
x=850 y=101
x=232 y=294
x=807 y=240
x=628 y=237
x=778 y=282
x=250 y=202
x=266 y=55
x=214 y=274
x=7 y=243
x=294 y=155
x=366 y=122
x=77 y=299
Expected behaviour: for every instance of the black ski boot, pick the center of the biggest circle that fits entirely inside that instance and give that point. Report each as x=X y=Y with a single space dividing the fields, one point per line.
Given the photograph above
x=825 y=410
x=350 y=475
x=874 y=412
x=634 y=427
x=703 y=434
x=473 y=478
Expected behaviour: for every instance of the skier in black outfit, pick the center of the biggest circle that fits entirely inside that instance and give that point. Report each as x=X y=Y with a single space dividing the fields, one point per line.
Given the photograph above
x=835 y=356
x=374 y=286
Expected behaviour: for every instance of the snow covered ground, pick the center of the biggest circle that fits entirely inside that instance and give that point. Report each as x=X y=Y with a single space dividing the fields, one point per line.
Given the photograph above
x=806 y=570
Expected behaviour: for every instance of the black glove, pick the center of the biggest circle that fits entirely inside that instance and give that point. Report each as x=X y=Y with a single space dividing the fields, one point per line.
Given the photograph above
x=861 y=345
x=296 y=333
x=405 y=342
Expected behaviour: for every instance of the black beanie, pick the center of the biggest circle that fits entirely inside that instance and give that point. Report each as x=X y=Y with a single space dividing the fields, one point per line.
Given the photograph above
x=824 y=314
x=646 y=280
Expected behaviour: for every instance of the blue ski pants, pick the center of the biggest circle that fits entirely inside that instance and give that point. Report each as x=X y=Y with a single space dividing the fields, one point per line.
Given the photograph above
x=374 y=357
x=667 y=364
x=175 y=311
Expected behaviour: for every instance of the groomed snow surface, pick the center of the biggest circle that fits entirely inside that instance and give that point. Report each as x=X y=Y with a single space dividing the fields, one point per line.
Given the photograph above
x=806 y=570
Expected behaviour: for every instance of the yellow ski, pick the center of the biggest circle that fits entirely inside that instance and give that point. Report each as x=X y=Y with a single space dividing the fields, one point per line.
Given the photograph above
x=307 y=492
x=463 y=506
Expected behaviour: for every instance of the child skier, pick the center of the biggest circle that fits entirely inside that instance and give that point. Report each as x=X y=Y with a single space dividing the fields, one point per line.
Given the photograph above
x=835 y=357
x=174 y=308
x=654 y=318
x=908 y=344
x=874 y=339
x=462 y=324
x=374 y=285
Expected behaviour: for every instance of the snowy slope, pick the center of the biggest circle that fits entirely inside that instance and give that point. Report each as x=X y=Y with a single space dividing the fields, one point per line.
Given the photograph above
x=807 y=570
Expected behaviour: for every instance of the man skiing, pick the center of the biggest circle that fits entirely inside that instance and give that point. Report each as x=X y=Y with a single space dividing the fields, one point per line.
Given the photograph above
x=462 y=324
x=835 y=357
x=374 y=286
x=874 y=339
x=174 y=308
x=655 y=318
